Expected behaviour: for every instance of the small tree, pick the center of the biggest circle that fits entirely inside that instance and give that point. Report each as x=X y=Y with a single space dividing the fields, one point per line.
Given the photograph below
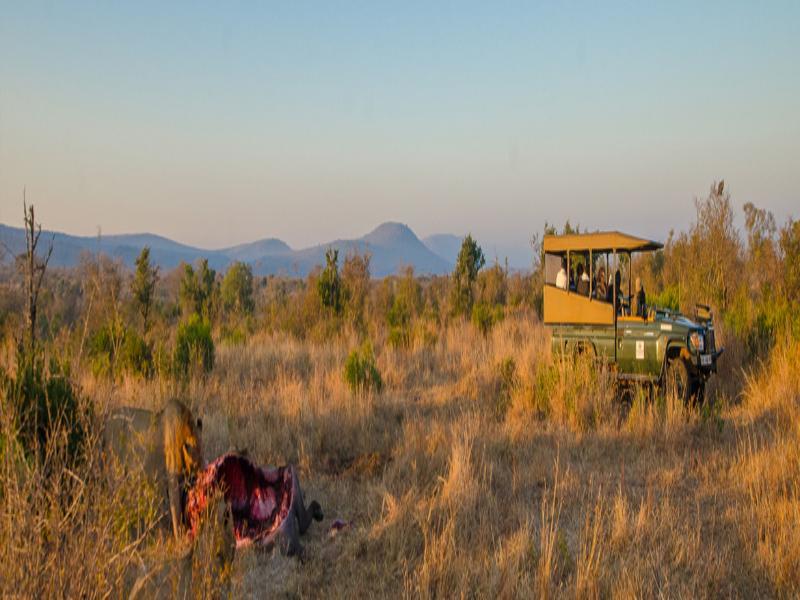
x=361 y=371
x=40 y=398
x=198 y=289
x=406 y=305
x=790 y=247
x=34 y=270
x=143 y=285
x=470 y=261
x=493 y=285
x=237 y=289
x=355 y=283
x=194 y=347
x=329 y=284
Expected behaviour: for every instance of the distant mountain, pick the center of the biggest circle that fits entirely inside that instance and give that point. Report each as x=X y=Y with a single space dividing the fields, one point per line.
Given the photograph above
x=445 y=245
x=391 y=246
x=256 y=250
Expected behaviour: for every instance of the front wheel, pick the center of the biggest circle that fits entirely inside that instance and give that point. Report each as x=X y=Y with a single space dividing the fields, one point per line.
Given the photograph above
x=679 y=382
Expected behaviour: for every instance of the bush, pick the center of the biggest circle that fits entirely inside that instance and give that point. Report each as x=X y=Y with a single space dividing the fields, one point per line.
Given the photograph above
x=235 y=336
x=45 y=406
x=669 y=298
x=329 y=284
x=115 y=349
x=399 y=320
x=360 y=371
x=237 y=289
x=484 y=317
x=399 y=337
x=194 y=348
x=470 y=261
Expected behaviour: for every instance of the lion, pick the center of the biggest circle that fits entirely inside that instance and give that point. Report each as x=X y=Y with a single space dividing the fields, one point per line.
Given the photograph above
x=165 y=445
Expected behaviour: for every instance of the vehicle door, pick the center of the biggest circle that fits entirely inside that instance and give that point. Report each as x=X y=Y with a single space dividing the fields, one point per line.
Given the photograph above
x=637 y=347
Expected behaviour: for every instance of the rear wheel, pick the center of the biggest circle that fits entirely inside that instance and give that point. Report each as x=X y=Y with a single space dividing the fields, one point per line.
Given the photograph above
x=679 y=381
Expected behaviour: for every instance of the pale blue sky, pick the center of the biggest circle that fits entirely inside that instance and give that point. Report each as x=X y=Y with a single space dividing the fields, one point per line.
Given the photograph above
x=218 y=123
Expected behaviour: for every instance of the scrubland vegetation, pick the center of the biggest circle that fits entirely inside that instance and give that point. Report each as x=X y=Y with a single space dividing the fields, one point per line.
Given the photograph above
x=428 y=412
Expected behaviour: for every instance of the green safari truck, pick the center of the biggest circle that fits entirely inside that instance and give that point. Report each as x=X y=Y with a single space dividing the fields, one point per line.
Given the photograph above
x=591 y=306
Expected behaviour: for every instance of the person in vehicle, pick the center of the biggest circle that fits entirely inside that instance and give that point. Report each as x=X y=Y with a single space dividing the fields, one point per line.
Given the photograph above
x=613 y=290
x=639 y=307
x=561 y=278
x=582 y=284
x=600 y=286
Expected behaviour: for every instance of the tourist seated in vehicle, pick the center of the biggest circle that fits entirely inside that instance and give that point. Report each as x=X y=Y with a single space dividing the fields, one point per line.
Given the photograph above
x=561 y=278
x=639 y=306
x=582 y=283
x=600 y=286
x=613 y=291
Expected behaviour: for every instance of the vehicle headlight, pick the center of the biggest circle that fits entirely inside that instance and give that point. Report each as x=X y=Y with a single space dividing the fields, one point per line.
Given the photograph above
x=696 y=341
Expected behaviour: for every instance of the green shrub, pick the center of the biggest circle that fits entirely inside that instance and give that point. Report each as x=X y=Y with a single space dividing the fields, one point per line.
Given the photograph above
x=235 y=336
x=44 y=405
x=329 y=284
x=101 y=351
x=115 y=349
x=399 y=337
x=360 y=371
x=194 y=348
x=484 y=317
x=236 y=290
x=136 y=358
x=668 y=298
x=399 y=320
x=470 y=261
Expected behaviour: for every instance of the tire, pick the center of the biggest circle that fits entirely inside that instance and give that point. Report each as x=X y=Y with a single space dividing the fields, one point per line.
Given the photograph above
x=679 y=381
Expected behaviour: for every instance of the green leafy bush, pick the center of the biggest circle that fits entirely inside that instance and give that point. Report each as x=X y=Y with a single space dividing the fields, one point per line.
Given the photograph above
x=484 y=317
x=44 y=405
x=115 y=349
x=237 y=289
x=399 y=320
x=235 y=336
x=668 y=298
x=360 y=371
x=137 y=357
x=329 y=284
x=194 y=347
x=470 y=261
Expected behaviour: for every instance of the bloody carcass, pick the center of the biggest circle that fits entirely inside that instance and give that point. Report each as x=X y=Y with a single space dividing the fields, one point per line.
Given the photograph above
x=267 y=504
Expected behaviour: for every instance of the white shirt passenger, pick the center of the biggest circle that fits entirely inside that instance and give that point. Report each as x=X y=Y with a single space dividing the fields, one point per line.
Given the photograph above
x=561 y=279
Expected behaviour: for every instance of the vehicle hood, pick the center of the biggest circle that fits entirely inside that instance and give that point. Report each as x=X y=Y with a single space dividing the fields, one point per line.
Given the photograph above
x=679 y=322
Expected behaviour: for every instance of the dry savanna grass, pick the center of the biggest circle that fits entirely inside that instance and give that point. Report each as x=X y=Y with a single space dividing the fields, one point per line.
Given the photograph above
x=484 y=468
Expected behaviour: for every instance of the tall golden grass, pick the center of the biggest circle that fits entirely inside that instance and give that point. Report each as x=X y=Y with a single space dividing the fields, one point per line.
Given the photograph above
x=464 y=477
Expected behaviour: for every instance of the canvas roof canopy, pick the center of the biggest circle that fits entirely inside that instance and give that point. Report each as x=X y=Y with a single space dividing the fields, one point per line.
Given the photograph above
x=601 y=241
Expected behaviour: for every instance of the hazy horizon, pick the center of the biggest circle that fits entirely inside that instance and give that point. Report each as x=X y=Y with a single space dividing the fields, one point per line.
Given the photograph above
x=215 y=127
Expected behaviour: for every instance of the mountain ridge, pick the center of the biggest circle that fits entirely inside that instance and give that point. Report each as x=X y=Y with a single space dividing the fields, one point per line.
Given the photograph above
x=391 y=245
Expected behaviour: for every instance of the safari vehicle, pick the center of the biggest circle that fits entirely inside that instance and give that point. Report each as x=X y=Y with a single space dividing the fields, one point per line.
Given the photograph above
x=641 y=343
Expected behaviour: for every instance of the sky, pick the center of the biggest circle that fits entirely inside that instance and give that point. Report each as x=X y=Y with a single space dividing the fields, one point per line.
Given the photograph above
x=223 y=122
